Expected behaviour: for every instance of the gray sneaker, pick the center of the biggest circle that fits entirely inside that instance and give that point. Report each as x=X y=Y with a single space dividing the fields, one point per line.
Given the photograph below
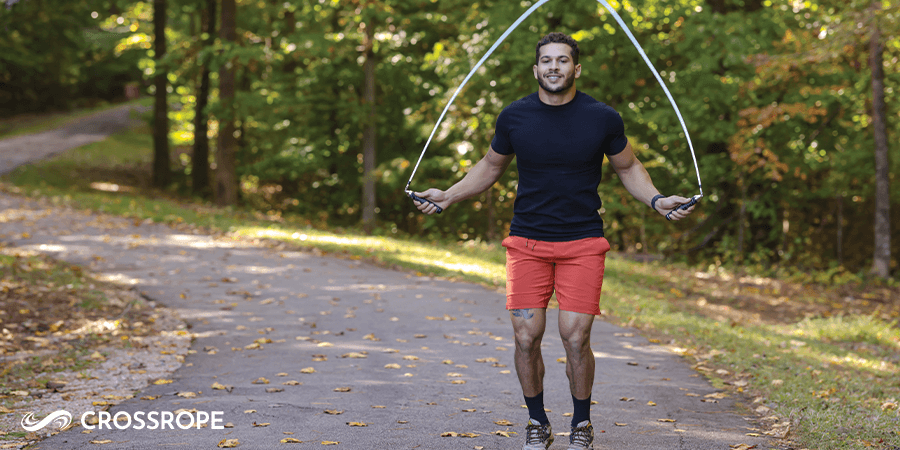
x=582 y=436
x=537 y=436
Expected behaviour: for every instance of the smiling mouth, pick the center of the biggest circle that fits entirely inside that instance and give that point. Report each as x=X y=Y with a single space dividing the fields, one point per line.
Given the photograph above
x=554 y=77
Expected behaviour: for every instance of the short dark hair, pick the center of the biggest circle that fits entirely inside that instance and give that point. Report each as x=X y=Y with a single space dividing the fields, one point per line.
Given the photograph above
x=557 y=38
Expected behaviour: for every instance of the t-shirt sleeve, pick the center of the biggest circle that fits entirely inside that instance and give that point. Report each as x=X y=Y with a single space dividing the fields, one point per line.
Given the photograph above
x=615 y=140
x=501 y=143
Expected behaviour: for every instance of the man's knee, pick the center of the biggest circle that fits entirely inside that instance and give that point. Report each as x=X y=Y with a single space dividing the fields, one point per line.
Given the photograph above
x=527 y=340
x=576 y=342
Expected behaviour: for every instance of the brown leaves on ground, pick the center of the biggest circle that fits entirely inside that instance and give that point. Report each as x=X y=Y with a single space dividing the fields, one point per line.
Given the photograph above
x=64 y=312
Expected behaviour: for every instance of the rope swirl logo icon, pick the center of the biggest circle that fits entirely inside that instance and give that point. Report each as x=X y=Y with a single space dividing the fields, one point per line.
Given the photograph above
x=63 y=418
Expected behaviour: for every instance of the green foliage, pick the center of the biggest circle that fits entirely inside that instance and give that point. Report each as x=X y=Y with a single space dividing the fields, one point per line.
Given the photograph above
x=56 y=58
x=775 y=95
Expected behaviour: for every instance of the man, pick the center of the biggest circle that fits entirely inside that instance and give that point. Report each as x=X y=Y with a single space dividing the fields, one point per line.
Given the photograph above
x=556 y=242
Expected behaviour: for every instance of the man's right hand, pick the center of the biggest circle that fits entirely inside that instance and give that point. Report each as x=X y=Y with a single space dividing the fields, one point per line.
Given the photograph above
x=435 y=195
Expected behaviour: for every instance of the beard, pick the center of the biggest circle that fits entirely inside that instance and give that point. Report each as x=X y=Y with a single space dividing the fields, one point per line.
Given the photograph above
x=567 y=83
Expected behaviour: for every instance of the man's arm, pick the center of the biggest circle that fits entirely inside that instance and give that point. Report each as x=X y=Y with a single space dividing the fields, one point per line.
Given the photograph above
x=637 y=181
x=479 y=178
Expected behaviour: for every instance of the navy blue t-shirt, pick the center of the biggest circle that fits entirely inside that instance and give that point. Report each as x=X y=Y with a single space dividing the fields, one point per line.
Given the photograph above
x=559 y=152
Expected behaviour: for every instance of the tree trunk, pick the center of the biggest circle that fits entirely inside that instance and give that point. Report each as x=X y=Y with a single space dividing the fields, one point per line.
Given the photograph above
x=162 y=174
x=226 y=166
x=882 y=264
x=840 y=229
x=200 y=160
x=368 y=203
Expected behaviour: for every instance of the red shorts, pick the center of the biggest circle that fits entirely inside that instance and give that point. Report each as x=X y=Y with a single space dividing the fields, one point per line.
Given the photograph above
x=574 y=269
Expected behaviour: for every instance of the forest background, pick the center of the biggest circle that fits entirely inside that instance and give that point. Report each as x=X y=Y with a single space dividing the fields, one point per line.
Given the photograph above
x=320 y=108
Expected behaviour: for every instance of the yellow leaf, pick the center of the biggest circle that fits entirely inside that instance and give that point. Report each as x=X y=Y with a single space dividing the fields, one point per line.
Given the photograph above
x=228 y=443
x=378 y=407
x=342 y=389
x=273 y=390
x=504 y=433
x=334 y=412
x=392 y=366
x=665 y=420
x=264 y=424
x=447 y=361
x=162 y=381
x=261 y=380
x=187 y=394
x=742 y=447
x=290 y=440
x=469 y=435
x=371 y=337
x=504 y=423
x=621 y=424
x=308 y=370
x=449 y=434
x=101 y=441
x=249 y=411
x=458 y=382
x=357 y=424
x=218 y=386
x=354 y=355
x=411 y=358
x=651 y=403
x=716 y=395
x=292 y=383
x=330 y=442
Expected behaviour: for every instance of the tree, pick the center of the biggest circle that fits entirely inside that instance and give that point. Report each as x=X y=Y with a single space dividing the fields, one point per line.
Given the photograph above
x=882 y=261
x=162 y=174
x=369 y=136
x=226 y=163
x=200 y=160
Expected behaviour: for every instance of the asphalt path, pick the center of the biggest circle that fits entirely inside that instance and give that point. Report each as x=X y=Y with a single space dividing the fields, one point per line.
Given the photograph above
x=292 y=344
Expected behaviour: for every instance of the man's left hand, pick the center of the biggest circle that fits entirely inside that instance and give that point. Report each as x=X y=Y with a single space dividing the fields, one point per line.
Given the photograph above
x=667 y=204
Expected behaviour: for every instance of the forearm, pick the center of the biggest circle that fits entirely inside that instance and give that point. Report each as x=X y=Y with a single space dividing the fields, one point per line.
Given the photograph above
x=638 y=183
x=481 y=177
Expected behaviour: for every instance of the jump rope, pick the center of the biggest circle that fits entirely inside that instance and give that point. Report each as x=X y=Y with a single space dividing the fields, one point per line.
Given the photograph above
x=512 y=27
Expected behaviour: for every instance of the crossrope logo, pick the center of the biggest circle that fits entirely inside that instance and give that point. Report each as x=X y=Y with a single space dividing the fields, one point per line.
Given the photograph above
x=30 y=423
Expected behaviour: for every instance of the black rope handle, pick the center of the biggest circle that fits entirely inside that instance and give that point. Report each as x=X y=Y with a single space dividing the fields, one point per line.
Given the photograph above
x=424 y=200
x=685 y=206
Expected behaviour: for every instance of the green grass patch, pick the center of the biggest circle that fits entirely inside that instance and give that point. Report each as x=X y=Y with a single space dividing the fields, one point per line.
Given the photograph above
x=826 y=374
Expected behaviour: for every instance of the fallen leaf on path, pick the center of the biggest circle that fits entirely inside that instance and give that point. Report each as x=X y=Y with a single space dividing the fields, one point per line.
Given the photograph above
x=378 y=407
x=458 y=382
x=101 y=441
x=504 y=433
x=249 y=411
x=263 y=424
x=273 y=390
x=308 y=370
x=261 y=380
x=392 y=366
x=291 y=440
x=665 y=420
x=330 y=442
x=371 y=337
x=621 y=424
x=449 y=434
x=742 y=446
x=228 y=443
x=342 y=389
x=292 y=383
x=504 y=423
x=356 y=355
x=187 y=394
x=162 y=381
x=626 y=399
x=718 y=395
x=357 y=424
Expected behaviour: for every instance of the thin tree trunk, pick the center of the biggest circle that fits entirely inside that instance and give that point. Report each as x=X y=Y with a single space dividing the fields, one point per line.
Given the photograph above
x=368 y=204
x=840 y=229
x=882 y=258
x=200 y=160
x=226 y=170
x=162 y=174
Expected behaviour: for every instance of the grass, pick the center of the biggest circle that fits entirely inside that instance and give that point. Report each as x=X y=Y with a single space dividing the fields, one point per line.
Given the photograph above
x=819 y=365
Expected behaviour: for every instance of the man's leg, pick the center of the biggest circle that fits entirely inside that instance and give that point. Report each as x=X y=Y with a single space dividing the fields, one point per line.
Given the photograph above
x=528 y=326
x=575 y=331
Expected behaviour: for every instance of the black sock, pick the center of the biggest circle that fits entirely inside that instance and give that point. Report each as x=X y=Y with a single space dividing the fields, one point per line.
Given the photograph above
x=536 y=408
x=582 y=410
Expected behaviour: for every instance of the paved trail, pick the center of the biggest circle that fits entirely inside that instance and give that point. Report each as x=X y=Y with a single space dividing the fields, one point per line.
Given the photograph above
x=417 y=357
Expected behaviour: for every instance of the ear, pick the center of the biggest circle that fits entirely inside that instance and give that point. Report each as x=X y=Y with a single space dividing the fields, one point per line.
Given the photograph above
x=534 y=68
x=577 y=71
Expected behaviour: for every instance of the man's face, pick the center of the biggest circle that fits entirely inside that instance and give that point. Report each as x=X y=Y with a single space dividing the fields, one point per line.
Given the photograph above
x=555 y=70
